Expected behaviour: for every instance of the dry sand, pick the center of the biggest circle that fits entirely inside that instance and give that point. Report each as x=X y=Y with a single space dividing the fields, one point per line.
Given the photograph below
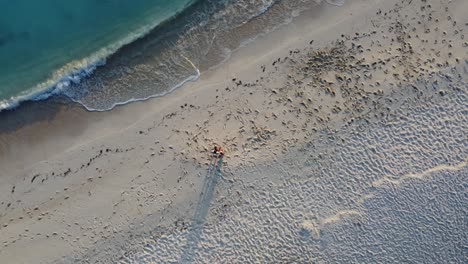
x=346 y=142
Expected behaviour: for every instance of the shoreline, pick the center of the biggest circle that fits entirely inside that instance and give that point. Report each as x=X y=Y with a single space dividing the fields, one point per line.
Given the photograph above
x=96 y=67
x=317 y=135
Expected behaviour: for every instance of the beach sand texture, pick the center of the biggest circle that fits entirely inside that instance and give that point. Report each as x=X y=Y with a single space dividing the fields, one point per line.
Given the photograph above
x=345 y=137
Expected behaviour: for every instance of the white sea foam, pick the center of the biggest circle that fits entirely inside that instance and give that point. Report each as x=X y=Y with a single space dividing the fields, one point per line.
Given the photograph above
x=190 y=78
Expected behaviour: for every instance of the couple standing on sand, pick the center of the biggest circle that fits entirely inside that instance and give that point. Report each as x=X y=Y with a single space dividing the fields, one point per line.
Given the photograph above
x=218 y=152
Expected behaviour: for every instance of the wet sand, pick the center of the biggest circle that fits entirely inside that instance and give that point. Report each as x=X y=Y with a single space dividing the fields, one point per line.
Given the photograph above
x=345 y=134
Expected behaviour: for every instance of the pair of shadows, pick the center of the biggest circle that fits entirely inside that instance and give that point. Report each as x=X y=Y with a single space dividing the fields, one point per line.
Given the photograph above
x=201 y=211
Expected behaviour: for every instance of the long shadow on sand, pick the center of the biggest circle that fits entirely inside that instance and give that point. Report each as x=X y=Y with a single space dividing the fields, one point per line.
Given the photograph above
x=201 y=211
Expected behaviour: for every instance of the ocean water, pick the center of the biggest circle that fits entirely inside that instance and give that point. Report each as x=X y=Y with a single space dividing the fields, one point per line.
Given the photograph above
x=106 y=53
x=43 y=41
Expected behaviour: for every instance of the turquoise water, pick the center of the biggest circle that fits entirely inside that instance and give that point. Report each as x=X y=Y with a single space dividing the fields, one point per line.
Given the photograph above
x=43 y=41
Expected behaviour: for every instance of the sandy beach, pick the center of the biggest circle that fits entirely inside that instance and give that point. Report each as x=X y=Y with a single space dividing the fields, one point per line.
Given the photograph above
x=345 y=138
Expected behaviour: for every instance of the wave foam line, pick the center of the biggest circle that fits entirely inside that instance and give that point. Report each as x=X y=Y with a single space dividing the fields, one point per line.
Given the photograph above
x=188 y=79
